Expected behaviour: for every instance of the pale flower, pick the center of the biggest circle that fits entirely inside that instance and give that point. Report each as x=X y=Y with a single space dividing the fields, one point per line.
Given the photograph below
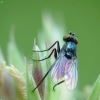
x=12 y=83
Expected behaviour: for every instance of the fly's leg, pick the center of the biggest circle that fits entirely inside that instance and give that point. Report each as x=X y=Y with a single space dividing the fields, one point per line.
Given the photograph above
x=58 y=47
x=55 y=55
x=58 y=84
x=42 y=79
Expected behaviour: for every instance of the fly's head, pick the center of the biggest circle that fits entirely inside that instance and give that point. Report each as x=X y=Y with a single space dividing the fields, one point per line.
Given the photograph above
x=71 y=42
x=70 y=38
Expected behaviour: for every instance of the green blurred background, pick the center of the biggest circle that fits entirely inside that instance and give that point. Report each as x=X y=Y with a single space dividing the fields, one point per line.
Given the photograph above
x=79 y=16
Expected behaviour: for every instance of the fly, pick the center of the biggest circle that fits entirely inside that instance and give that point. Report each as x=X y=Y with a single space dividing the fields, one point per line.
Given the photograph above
x=65 y=65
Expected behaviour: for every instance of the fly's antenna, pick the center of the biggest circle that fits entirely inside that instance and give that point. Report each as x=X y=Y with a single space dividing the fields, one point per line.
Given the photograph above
x=72 y=34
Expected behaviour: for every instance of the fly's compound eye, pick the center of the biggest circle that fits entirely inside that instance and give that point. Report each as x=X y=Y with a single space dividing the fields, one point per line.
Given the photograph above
x=66 y=38
x=76 y=41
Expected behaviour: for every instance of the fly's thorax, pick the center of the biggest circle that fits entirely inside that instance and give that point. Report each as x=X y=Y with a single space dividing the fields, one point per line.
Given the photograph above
x=70 y=50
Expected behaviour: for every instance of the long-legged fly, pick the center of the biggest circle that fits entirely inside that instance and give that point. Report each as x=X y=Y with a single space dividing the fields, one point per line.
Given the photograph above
x=65 y=65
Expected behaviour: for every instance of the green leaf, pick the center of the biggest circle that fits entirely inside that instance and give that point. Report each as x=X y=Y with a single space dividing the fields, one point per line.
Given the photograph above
x=14 y=56
x=1 y=56
x=30 y=84
x=38 y=70
x=95 y=94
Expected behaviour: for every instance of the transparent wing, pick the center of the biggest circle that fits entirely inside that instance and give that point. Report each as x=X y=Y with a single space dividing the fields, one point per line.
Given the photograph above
x=71 y=77
x=60 y=67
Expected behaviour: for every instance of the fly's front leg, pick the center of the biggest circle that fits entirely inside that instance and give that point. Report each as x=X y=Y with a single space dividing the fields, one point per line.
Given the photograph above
x=58 y=47
x=55 y=55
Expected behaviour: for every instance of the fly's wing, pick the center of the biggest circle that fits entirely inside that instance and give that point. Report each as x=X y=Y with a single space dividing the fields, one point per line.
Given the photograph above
x=71 y=77
x=60 y=67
